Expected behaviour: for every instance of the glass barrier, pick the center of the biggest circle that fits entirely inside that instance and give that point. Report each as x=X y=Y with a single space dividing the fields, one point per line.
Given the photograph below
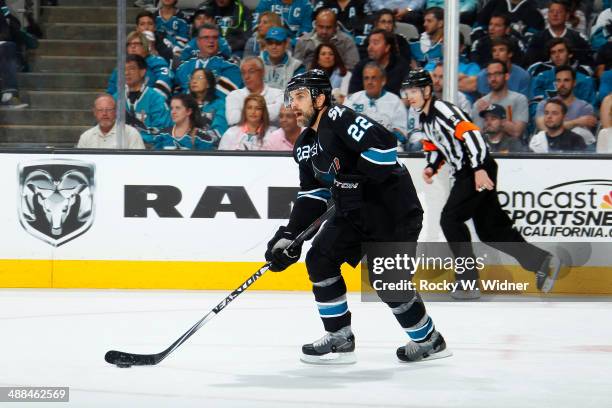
x=189 y=88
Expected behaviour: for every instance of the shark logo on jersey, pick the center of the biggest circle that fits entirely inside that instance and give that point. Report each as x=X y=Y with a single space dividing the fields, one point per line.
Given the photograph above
x=56 y=199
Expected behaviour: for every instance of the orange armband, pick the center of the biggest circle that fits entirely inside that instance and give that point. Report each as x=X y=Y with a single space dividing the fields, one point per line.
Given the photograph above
x=463 y=127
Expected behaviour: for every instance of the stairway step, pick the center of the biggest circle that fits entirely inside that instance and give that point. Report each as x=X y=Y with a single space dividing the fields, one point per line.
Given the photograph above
x=59 y=99
x=40 y=81
x=61 y=14
x=45 y=117
x=41 y=135
x=64 y=64
x=103 y=48
x=92 y=3
x=81 y=31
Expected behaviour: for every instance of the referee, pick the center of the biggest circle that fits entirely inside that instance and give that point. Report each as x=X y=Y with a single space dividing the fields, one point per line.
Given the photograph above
x=451 y=136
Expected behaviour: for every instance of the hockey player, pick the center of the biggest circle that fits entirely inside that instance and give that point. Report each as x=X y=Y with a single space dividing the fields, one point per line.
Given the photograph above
x=452 y=137
x=353 y=159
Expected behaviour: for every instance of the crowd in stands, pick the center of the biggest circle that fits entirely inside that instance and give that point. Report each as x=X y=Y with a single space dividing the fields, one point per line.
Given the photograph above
x=535 y=75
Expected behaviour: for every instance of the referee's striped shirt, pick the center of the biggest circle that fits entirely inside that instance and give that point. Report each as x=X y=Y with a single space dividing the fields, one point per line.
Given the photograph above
x=451 y=136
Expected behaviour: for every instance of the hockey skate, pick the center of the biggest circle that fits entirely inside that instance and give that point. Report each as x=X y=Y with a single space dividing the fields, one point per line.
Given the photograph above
x=548 y=273
x=333 y=348
x=431 y=349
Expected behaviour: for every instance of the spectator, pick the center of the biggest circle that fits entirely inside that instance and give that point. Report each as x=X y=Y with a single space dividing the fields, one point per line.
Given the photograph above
x=352 y=15
x=199 y=18
x=252 y=69
x=10 y=60
x=212 y=107
x=429 y=47
x=233 y=18
x=519 y=79
x=328 y=59
x=104 y=134
x=145 y=22
x=525 y=18
x=254 y=128
x=326 y=31
x=158 y=75
x=499 y=26
x=187 y=132
x=227 y=73
x=382 y=50
x=296 y=15
x=384 y=107
x=467 y=9
x=280 y=66
x=579 y=115
x=556 y=138
x=468 y=72
x=558 y=13
x=285 y=137
x=560 y=56
x=146 y=108
x=437 y=77
x=385 y=19
x=601 y=32
x=172 y=22
x=604 y=138
x=514 y=103
x=603 y=63
x=257 y=42
x=498 y=140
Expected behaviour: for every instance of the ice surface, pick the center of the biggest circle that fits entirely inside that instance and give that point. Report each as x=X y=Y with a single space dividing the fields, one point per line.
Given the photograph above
x=527 y=354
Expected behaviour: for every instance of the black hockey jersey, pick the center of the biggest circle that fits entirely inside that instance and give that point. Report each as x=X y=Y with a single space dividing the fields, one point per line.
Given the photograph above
x=347 y=142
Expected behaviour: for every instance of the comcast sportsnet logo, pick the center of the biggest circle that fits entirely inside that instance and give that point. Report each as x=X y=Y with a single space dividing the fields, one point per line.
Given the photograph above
x=606 y=203
x=574 y=209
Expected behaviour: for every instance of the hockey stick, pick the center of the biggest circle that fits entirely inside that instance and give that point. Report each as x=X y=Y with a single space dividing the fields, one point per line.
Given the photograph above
x=122 y=359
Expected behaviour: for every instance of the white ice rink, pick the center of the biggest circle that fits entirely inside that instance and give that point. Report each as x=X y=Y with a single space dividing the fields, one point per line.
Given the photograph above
x=526 y=354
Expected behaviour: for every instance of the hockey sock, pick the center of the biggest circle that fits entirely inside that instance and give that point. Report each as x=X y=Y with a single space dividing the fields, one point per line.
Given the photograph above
x=413 y=318
x=330 y=295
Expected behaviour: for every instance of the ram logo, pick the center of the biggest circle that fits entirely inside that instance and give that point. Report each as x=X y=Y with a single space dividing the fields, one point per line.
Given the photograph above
x=56 y=199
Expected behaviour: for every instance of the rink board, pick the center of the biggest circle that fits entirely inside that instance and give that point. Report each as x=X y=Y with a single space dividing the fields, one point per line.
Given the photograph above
x=202 y=221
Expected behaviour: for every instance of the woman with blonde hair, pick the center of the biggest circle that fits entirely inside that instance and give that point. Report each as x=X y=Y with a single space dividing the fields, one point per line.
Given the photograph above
x=158 y=69
x=252 y=130
x=256 y=44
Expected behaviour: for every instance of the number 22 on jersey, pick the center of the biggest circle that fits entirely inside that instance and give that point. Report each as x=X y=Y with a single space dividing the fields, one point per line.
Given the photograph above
x=357 y=129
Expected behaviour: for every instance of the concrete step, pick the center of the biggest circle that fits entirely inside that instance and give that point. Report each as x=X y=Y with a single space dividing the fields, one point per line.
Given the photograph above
x=92 y=3
x=61 y=14
x=41 y=135
x=46 y=117
x=58 y=99
x=82 y=31
x=85 y=65
x=40 y=81
x=102 y=48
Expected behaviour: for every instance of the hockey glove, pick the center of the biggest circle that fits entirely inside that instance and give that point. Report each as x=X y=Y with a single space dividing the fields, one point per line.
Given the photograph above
x=278 y=255
x=347 y=192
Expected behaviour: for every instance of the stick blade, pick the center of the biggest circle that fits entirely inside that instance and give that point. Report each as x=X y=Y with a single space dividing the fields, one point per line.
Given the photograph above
x=121 y=358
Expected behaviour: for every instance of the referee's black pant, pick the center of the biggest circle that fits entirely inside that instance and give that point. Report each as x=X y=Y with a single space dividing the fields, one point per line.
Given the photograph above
x=492 y=224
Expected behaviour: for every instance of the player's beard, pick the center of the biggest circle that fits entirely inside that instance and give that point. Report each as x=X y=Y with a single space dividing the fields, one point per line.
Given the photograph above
x=304 y=118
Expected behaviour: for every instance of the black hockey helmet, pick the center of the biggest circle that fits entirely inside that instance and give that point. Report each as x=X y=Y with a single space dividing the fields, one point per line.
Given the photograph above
x=417 y=78
x=315 y=80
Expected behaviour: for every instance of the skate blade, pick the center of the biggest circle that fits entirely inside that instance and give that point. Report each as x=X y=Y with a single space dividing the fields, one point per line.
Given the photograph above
x=549 y=282
x=435 y=356
x=330 y=359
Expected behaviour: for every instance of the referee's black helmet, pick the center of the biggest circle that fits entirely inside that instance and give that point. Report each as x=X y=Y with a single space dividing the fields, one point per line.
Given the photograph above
x=417 y=78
